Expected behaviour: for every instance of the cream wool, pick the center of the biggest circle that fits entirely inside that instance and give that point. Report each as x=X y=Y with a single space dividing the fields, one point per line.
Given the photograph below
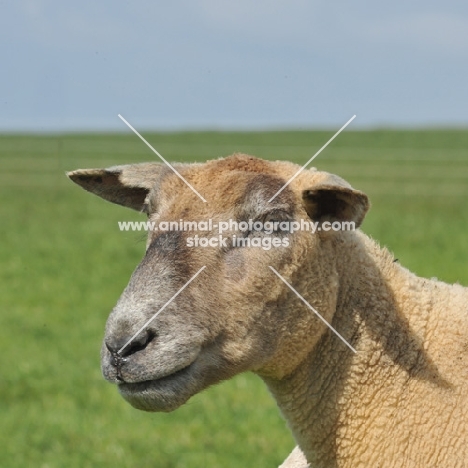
x=402 y=400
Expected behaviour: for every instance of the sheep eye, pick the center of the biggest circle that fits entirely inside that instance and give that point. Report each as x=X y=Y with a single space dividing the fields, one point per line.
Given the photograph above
x=270 y=224
x=275 y=217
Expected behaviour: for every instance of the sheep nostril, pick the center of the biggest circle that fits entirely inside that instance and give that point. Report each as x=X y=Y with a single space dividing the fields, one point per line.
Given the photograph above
x=111 y=349
x=139 y=343
x=120 y=348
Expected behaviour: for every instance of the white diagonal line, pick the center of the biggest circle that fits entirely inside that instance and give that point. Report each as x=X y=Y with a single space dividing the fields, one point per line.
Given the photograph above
x=161 y=309
x=312 y=158
x=162 y=159
x=312 y=309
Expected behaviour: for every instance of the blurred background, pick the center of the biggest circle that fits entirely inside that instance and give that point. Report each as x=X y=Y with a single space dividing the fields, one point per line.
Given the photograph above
x=200 y=80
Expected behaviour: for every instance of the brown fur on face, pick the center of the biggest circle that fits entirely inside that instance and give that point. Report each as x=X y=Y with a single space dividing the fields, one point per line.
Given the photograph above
x=344 y=409
x=228 y=320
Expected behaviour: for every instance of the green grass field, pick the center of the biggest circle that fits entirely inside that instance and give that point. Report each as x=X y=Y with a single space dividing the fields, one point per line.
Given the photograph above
x=64 y=263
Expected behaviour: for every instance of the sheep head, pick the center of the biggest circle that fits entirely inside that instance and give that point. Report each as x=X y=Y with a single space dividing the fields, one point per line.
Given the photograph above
x=236 y=315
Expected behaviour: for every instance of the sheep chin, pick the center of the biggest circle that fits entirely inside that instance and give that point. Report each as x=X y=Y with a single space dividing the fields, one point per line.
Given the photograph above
x=161 y=395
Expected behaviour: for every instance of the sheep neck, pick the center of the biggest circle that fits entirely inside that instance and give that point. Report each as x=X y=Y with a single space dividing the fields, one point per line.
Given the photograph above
x=321 y=396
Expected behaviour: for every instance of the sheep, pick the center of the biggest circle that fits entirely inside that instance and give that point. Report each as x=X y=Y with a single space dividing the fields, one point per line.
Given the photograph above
x=399 y=400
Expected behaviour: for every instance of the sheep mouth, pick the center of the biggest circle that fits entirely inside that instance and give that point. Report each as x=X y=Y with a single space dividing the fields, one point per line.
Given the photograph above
x=153 y=384
x=162 y=394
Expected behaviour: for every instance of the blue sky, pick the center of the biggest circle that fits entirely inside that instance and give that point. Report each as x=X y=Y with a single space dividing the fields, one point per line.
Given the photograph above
x=225 y=64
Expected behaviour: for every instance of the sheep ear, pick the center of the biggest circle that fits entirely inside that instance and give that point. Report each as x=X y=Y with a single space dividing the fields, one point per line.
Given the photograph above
x=126 y=185
x=335 y=203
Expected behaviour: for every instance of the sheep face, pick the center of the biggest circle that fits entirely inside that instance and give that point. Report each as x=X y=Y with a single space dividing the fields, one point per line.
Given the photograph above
x=236 y=315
